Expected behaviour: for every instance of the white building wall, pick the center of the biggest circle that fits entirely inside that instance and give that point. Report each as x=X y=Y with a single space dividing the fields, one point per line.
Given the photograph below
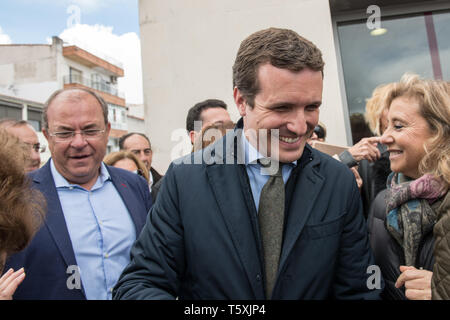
x=34 y=72
x=136 y=125
x=28 y=71
x=188 y=49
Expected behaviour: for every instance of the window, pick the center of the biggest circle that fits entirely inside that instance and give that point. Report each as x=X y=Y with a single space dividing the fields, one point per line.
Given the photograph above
x=75 y=75
x=117 y=115
x=96 y=81
x=7 y=110
x=35 y=118
x=418 y=43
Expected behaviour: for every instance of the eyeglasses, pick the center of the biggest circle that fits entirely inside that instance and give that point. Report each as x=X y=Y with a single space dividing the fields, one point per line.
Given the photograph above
x=66 y=136
x=37 y=147
x=139 y=172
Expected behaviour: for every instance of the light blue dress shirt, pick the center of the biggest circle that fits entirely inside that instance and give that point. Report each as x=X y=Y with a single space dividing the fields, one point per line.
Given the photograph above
x=100 y=229
x=257 y=179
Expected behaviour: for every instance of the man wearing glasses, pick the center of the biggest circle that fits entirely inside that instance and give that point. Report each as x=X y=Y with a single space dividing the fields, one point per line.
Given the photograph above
x=25 y=133
x=95 y=212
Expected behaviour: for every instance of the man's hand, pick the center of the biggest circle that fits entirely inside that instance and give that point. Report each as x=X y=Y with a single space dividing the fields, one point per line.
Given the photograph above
x=366 y=148
x=9 y=283
x=417 y=283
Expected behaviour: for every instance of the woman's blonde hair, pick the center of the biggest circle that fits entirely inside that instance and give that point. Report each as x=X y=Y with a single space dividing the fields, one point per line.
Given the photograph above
x=22 y=209
x=433 y=97
x=113 y=157
x=375 y=106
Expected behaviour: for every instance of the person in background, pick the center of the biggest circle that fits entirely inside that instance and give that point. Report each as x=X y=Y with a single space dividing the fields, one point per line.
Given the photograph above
x=374 y=173
x=25 y=132
x=94 y=212
x=205 y=113
x=212 y=133
x=139 y=144
x=376 y=111
x=402 y=217
x=359 y=127
x=21 y=209
x=365 y=148
x=209 y=134
x=319 y=133
x=127 y=161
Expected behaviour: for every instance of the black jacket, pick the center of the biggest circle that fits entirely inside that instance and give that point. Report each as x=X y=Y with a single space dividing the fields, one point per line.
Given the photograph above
x=202 y=240
x=387 y=252
x=156 y=175
x=374 y=176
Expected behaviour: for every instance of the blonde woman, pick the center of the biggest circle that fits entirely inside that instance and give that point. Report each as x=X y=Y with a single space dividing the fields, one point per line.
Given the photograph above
x=374 y=173
x=128 y=161
x=403 y=217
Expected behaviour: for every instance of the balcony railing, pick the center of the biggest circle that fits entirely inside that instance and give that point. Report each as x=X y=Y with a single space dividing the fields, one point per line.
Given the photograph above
x=97 y=85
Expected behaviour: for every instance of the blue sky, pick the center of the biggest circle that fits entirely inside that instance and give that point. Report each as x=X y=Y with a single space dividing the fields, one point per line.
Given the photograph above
x=106 y=28
x=32 y=21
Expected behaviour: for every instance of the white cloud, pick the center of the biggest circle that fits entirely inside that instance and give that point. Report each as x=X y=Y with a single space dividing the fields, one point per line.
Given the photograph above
x=126 y=48
x=4 y=38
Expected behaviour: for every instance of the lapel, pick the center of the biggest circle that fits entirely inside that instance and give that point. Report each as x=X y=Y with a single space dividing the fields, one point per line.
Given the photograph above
x=55 y=221
x=226 y=181
x=307 y=187
x=122 y=186
x=156 y=176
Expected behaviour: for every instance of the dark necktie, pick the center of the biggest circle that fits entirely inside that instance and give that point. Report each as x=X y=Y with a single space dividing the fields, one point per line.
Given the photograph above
x=271 y=220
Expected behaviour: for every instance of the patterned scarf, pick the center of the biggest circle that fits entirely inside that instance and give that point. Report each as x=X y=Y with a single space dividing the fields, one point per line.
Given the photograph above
x=409 y=212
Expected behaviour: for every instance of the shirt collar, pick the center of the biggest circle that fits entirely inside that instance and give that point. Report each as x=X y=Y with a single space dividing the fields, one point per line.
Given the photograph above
x=150 y=178
x=61 y=182
x=252 y=155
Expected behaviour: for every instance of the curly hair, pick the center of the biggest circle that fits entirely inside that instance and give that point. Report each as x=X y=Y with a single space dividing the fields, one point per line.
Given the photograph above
x=433 y=97
x=22 y=208
x=375 y=106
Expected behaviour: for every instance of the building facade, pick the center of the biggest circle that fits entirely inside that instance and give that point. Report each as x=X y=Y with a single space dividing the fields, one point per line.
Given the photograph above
x=30 y=111
x=188 y=49
x=34 y=72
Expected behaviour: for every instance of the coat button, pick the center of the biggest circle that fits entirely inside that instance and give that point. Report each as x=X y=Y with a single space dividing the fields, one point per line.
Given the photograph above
x=258 y=277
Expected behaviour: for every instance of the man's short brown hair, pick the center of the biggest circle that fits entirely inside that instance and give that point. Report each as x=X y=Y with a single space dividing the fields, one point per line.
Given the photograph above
x=282 y=48
x=55 y=94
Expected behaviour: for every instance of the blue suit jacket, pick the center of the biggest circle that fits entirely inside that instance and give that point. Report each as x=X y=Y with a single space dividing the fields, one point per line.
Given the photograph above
x=202 y=238
x=50 y=252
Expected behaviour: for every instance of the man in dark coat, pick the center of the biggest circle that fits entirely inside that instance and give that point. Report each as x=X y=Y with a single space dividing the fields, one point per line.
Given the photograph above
x=205 y=237
x=94 y=212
